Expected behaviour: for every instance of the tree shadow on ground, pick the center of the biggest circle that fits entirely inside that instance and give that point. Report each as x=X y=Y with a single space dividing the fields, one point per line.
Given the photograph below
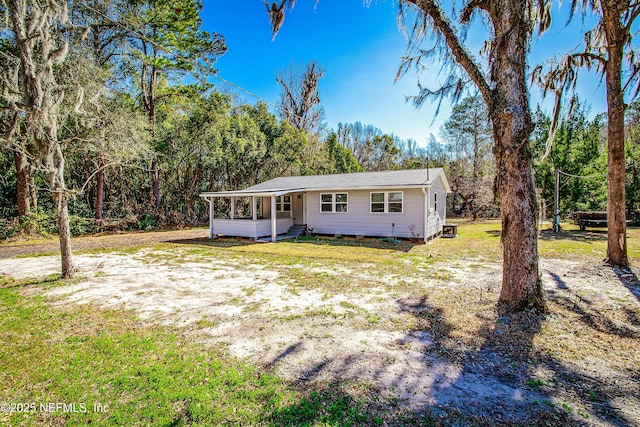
x=501 y=378
x=598 y=392
x=629 y=280
x=574 y=235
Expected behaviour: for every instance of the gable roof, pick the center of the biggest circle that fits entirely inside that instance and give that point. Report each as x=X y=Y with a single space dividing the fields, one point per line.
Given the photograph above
x=415 y=178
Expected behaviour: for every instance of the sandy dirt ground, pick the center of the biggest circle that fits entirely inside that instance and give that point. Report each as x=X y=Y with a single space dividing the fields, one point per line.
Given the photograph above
x=255 y=313
x=102 y=241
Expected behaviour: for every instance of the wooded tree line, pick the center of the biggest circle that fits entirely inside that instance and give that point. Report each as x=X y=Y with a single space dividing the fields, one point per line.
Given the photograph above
x=579 y=151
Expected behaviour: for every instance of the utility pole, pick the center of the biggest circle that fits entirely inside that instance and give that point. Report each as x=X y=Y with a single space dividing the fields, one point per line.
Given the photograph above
x=556 y=204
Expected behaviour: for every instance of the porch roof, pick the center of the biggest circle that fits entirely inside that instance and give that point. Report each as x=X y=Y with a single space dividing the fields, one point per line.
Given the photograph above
x=248 y=193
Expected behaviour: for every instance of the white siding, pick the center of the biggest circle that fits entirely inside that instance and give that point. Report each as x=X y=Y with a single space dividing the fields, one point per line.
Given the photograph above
x=434 y=225
x=438 y=188
x=360 y=221
x=248 y=228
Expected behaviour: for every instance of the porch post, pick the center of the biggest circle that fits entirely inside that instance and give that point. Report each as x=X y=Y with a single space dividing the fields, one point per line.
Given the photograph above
x=211 y=211
x=304 y=208
x=254 y=208
x=427 y=198
x=233 y=208
x=274 y=220
x=254 y=214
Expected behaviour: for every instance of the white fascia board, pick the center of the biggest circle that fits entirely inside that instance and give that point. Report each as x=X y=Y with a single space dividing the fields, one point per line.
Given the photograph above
x=248 y=193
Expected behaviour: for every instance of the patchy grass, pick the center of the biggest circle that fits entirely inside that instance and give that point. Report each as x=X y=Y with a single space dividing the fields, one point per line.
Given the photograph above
x=571 y=243
x=108 y=369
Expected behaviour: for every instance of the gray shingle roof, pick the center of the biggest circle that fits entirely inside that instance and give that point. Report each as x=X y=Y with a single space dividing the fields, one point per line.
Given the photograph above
x=346 y=181
x=396 y=178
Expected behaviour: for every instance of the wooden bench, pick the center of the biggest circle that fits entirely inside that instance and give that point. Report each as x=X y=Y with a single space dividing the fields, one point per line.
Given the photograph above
x=589 y=219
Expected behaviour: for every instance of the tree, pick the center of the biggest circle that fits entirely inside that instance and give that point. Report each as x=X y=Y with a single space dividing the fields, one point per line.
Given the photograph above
x=579 y=153
x=165 y=40
x=617 y=18
x=339 y=158
x=468 y=133
x=106 y=37
x=504 y=90
x=36 y=97
x=607 y=48
x=22 y=146
x=300 y=102
x=633 y=159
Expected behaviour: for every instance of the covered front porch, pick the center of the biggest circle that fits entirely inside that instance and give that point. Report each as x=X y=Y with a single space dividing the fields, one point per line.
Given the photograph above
x=270 y=214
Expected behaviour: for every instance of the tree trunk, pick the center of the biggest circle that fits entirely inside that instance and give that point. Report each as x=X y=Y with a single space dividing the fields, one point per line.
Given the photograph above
x=99 y=191
x=521 y=285
x=512 y=127
x=58 y=191
x=507 y=99
x=155 y=184
x=25 y=183
x=616 y=174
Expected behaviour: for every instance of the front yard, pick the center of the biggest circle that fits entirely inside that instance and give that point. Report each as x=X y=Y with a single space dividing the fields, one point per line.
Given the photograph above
x=319 y=332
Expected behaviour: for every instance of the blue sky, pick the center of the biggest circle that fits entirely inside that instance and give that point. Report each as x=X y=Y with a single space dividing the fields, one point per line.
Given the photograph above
x=359 y=48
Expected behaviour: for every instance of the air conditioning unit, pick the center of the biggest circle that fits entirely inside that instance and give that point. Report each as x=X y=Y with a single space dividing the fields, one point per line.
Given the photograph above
x=450 y=230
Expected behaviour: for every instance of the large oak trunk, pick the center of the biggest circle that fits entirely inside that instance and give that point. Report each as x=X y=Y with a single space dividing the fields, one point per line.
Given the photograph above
x=507 y=99
x=521 y=285
x=512 y=127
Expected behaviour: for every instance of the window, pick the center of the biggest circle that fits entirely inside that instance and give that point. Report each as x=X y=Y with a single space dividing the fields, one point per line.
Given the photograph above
x=395 y=202
x=386 y=202
x=333 y=202
x=435 y=202
x=377 y=202
x=283 y=203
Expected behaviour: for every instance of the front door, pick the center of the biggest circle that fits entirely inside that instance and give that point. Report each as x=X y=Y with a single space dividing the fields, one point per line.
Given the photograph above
x=297 y=200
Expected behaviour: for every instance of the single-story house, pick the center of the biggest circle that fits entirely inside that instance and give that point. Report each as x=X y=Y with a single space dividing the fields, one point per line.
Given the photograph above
x=396 y=204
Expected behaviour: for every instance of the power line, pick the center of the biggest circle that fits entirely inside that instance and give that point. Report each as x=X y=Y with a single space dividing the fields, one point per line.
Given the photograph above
x=195 y=65
x=599 y=175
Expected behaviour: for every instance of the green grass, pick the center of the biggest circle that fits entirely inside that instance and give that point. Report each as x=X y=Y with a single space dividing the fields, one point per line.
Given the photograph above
x=140 y=375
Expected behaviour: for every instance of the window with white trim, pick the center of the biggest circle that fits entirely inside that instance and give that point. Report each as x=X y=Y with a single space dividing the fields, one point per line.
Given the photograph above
x=334 y=202
x=387 y=202
x=283 y=203
x=435 y=202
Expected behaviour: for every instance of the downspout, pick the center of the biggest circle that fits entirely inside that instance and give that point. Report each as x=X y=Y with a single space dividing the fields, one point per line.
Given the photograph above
x=427 y=196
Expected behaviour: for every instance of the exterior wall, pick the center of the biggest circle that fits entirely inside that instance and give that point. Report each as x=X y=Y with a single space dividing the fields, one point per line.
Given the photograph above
x=438 y=187
x=360 y=221
x=265 y=207
x=248 y=228
x=434 y=225
x=265 y=211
